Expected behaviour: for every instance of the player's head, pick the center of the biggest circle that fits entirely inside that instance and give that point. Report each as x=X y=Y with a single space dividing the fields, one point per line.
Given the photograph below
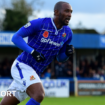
x=63 y=10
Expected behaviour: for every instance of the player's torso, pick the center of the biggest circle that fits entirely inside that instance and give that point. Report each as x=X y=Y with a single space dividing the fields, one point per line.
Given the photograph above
x=48 y=41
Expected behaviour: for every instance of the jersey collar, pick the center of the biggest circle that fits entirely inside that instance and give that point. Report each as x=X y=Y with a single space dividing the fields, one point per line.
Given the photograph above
x=56 y=31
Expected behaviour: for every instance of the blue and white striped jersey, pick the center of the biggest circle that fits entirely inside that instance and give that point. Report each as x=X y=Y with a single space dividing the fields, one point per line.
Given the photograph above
x=44 y=37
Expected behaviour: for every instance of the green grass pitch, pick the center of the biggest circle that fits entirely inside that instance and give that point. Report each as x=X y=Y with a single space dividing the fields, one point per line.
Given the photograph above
x=86 y=100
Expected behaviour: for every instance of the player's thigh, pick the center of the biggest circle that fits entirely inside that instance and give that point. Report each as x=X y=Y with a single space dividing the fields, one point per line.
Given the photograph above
x=9 y=100
x=36 y=91
x=35 y=88
x=30 y=83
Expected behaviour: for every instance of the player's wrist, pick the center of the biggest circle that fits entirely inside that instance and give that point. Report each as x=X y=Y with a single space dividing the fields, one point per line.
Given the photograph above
x=32 y=51
x=69 y=50
x=37 y=56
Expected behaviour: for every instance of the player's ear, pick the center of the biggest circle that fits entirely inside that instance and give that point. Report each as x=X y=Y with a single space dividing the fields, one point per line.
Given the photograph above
x=56 y=12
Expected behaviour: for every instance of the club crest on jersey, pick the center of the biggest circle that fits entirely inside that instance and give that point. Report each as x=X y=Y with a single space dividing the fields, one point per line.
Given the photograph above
x=64 y=35
x=32 y=77
x=45 y=34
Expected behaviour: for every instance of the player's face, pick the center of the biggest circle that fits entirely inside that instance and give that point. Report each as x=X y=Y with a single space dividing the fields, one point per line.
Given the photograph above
x=65 y=14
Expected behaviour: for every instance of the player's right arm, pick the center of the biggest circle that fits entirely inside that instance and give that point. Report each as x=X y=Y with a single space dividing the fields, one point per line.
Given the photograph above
x=27 y=30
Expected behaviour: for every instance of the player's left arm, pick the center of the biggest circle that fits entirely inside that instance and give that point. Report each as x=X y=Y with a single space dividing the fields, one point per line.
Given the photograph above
x=66 y=51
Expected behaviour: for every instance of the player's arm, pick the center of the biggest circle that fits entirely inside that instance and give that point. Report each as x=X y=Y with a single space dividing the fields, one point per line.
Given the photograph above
x=24 y=31
x=66 y=51
x=27 y=30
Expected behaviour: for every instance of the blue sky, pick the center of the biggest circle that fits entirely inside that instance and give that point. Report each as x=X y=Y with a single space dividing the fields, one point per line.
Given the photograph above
x=90 y=13
x=85 y=6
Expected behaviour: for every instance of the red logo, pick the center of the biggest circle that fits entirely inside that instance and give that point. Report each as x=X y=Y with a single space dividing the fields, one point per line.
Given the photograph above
x=32 y=77
x=45 y=34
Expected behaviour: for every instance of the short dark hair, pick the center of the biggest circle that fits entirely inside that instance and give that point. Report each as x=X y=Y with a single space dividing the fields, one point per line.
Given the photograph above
x=58 y=5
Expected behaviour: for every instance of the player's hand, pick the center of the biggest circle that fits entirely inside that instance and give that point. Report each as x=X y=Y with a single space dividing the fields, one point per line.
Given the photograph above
x=69 y=50
x=38 y=57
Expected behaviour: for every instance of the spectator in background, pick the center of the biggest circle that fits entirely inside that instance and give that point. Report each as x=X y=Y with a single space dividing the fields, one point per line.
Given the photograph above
x=5 y=71
x=91 y=72
x=47 y=74
x=96 y=74
x=77 y=72
x=92 y=63
x=42 y=76
x=59 y=69
x=102 y=71
x=95 y=67
x=5 y=67
x=99 y=59
x=1 y=72
x=68 y=70
x=83 y=69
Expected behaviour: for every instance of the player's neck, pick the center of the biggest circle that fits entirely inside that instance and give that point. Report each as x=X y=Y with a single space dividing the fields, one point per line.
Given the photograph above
x=57 y=24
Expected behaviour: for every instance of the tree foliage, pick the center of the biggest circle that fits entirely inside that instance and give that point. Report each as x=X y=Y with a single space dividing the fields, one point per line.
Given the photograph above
x=81 y=29
x=88 y=31
x=18 y=16
x=14 y=20
x=22 y=6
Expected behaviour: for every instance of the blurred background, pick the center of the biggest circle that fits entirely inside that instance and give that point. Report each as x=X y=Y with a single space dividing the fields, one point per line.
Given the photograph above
x=84 y=72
